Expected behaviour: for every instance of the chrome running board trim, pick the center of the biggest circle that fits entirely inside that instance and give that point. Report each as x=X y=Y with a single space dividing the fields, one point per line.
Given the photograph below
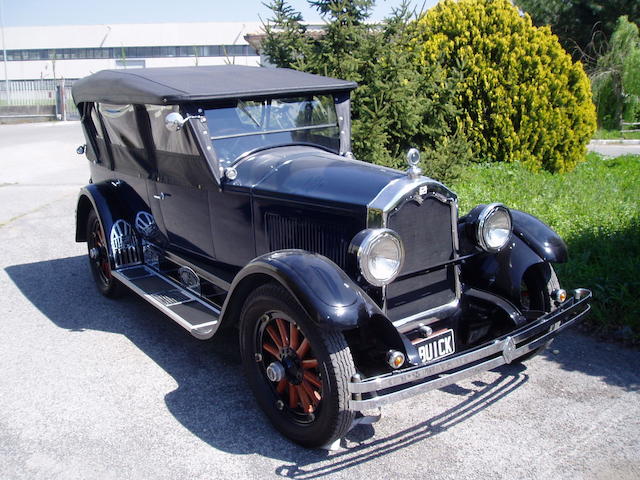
x=195 y=315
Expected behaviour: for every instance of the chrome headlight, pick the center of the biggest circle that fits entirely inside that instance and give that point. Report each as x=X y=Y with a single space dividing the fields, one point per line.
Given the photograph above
x=380 y=255
x=493 y=227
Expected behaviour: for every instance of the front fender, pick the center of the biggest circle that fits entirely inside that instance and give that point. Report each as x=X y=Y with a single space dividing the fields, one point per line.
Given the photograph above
x=324 y=291
x=538 y=236
x=532 y=242
x=329 y=297
x=502 y=272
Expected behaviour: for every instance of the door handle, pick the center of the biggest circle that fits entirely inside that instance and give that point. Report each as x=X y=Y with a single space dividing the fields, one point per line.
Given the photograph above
x=162 y=196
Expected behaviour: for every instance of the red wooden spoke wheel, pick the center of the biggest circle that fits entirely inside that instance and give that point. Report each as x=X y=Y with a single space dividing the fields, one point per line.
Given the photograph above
x=97 y=245
x=290 y=364
x=298 y=371
x=99 y=257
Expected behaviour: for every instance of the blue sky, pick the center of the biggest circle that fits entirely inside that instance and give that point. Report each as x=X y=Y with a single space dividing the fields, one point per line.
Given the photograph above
x=83 y=12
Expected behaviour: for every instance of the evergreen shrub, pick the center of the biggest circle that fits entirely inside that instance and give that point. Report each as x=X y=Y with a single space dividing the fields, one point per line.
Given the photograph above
x=521 y=97
x=398 y=104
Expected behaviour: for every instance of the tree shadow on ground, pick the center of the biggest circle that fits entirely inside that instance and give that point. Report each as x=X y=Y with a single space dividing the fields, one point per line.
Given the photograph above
x=606 y=262
x=212 y=399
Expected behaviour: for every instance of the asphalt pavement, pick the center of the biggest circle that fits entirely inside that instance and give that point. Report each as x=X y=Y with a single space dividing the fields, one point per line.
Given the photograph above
x=95 y=388
x=615 y=149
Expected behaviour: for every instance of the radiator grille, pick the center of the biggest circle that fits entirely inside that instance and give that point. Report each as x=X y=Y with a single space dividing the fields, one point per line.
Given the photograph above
x=425 y=230
x=325 y=238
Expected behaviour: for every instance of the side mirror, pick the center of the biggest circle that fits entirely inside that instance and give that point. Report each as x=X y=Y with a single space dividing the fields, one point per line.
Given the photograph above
x=174 y=121
x=81 y=149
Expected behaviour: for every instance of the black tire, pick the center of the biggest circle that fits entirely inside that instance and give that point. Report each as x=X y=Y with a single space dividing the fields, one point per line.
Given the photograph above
x=538 y=285
x=98 y=255
x=317 y=420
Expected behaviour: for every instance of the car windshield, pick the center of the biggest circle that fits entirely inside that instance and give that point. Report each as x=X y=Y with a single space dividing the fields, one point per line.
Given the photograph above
x=252 y=124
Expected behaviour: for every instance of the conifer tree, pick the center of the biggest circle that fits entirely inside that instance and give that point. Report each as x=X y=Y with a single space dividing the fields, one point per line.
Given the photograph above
x=399 y=102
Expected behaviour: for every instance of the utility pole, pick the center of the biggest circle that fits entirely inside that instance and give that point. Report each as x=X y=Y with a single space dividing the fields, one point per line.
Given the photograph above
x=4 y=51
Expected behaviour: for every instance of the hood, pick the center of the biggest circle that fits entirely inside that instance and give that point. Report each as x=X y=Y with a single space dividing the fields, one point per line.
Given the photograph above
x=312 y=174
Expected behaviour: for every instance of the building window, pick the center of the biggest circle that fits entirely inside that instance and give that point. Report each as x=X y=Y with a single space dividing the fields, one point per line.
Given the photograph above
x=132 y=52
x=129 y=63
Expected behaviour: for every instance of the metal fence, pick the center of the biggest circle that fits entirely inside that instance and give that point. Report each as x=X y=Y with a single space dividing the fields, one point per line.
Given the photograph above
x=629 y=127
x=37 y=98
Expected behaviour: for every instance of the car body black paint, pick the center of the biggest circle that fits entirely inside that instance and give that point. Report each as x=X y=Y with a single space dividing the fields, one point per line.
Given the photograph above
x=287 y=214
x=546 y=243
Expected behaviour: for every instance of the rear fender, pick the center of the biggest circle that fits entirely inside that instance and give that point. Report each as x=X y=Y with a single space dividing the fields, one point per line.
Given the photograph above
x=112 y=200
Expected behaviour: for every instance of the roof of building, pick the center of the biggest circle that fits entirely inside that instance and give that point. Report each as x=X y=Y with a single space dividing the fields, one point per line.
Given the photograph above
x=159 y=86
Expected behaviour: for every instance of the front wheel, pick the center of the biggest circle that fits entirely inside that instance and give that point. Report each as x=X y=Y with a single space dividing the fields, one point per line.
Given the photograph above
x=536 y=294
x=298 y=372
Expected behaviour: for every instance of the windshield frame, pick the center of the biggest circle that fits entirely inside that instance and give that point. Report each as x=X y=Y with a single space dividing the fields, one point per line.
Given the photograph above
x=264 y=114
x=282 y=130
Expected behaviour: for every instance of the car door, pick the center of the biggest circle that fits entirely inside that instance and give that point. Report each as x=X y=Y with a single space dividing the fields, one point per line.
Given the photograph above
x=181 y=190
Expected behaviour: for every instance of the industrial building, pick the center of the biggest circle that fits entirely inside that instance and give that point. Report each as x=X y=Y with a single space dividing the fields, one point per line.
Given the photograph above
x=74 y=51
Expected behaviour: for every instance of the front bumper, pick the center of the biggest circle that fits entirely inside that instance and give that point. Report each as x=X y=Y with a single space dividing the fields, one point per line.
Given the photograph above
x=375 y=391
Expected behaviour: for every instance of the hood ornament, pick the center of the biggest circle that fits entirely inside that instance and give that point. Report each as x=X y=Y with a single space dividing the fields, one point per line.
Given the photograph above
x=413 y=158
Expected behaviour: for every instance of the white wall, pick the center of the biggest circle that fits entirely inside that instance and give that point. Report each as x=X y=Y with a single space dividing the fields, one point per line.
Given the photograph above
x=80 y=68
x=123 y=35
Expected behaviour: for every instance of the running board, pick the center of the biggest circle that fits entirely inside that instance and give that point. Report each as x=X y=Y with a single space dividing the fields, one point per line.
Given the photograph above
x=181 y=305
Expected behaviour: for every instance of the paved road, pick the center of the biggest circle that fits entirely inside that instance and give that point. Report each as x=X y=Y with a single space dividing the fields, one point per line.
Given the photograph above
x=615 y=149
x=93 y=388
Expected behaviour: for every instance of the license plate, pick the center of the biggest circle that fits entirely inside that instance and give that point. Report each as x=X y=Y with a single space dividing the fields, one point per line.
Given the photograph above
x=437 y=346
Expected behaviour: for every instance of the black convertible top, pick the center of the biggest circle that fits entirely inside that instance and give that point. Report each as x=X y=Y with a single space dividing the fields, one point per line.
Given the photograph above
x=159 y=86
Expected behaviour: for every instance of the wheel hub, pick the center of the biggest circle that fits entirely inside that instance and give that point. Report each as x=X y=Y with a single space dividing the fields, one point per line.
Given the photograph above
x=98 y=253
x=276 y=372
x=291 y=364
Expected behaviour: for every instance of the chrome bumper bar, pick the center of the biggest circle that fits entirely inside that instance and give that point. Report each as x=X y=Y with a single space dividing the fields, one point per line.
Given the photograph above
x=375 y=391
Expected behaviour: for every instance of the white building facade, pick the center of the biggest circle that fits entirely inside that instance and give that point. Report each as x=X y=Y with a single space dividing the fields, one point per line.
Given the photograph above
x=74 y=51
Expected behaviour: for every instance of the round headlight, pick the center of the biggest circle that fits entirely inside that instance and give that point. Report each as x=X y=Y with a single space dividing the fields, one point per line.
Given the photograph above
x=494 y=227
x=380 y=255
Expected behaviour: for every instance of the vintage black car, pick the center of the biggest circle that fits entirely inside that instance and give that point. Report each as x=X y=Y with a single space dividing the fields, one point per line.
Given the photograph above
x=228 y=196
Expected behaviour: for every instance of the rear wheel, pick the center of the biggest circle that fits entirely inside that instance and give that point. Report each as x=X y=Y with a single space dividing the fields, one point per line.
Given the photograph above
x=99 y=258
x=536 y=294
x=299 y=373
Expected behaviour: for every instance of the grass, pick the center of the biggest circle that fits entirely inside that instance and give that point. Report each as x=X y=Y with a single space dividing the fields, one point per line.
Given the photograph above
x=602 y=134
x=596 y=209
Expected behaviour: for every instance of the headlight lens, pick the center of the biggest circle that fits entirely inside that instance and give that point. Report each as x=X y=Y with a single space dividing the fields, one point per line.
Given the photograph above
x=380 y=255
x=494 y=227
